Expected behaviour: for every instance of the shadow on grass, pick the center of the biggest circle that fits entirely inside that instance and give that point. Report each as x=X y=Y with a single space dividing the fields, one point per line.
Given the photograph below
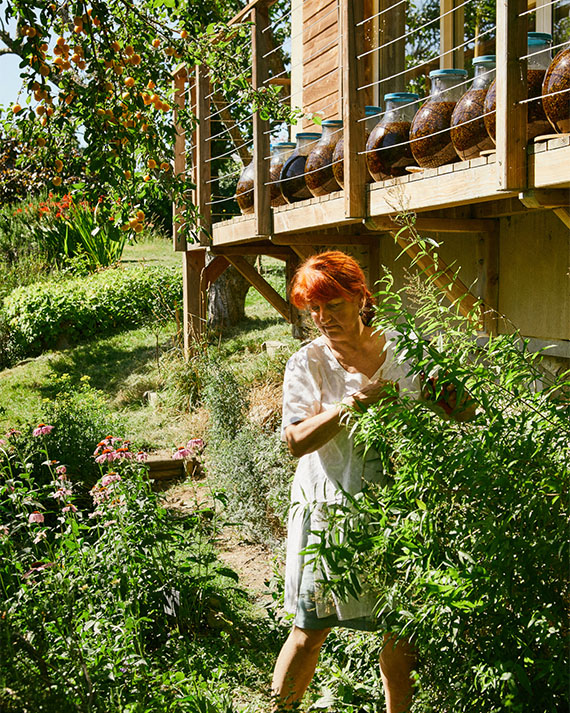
x=107 y=363
x=246 y=325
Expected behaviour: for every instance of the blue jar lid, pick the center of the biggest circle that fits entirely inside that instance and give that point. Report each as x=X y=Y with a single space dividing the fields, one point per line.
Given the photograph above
x=331 y=122
x=538 y=38
x=448 y=73
x=308 y=135
x=284 y=144
x=370 y=110
x=485 y=59
x=401 y=97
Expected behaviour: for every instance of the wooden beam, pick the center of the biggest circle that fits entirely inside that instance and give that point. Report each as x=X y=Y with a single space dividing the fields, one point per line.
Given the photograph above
x=261 y=193
x=261 y=285
x=203 y=154
x=244 y=12
x=545 y=198
x=511 y=89
x=438 y=225
x=194 y=295
x=564 y=215
x=214 y=269
x=355 y=173
x=543 y=21
x=295 y=317
x=316 y=238
x=304 y=251
x=276 y=251
x=440 y=274
x=179 y=82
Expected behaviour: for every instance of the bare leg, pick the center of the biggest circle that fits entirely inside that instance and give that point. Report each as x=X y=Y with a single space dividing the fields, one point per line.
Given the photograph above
x=296 y=665
x=397 y=660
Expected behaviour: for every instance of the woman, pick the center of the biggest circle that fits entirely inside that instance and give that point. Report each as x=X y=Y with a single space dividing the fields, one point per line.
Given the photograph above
x=349 y=365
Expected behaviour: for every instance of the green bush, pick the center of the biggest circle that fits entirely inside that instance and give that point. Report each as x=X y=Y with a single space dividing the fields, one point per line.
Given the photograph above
x=468 y=550
x=51 y=314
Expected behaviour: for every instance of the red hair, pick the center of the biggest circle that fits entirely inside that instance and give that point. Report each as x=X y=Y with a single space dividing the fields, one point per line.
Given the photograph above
x=326 y=277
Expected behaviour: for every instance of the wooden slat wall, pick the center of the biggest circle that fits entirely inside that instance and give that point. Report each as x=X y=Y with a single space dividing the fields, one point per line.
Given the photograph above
x=321 y=77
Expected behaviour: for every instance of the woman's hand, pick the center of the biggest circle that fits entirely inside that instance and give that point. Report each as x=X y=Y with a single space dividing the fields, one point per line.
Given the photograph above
x=372 y=393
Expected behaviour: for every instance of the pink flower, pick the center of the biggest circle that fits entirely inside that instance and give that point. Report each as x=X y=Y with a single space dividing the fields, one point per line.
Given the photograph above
x=181 y=453
x=70 y=507
x=108 y=523
x=107 y=454
x=3 y=442
x=13 y=432
x=50 y=463
x=95 y=513
x=61 y=471
x=62 y=493
x=141 y=456
x=195 y=444
x=123 y=453
x=42 y=429
x=98 y=494
x=110 y=478
x=40 y=536
x=35 y=516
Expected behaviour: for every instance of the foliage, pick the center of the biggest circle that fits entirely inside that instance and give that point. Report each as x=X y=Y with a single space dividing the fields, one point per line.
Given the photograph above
x=45 y=315
x=105 y=71
x=468 y=549
x=226 y=400
x=110 y=609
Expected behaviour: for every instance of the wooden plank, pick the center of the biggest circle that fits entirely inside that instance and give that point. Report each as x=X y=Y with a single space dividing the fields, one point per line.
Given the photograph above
x=179 y=82
x=314 y=8
x=304 y=251
x=441 y=275
x=488 y=279
x=318 y=68
x=327 y=213
x=316 y=238
x=261 y=151
x=439 y=225
x=203 y=146
x=194 y=295
x=234 y=231
x=261 y=285
x=550 y=168
x=295 y=317
x=355 y=173
x=280 y=253
x=543 y=21
x=373 y=264
x=297 y=68
x=214 y=269
x=244 y=12
x=511 y=87
x=321 y=34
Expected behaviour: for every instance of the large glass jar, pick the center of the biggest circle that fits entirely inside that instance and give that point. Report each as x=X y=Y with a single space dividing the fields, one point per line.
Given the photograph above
x=468 y=132
x=388 y=149
x=371 y=114
x=292 y=178
x=557 y=79
x=538 y=44
x=280 y=152
x=319 y=175
x=430 y=133
x=244 y=189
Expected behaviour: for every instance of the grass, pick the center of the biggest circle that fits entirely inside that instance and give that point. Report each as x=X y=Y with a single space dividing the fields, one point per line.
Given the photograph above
x=128 y=366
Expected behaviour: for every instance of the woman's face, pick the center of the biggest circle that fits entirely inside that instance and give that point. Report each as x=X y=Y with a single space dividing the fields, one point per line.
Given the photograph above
x=337 y=316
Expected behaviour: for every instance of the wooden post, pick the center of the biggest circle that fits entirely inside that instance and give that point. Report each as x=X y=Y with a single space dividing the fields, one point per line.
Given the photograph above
x=353 y=110
x=452 y=34
x=391 y=59
x=295 y=317
x=203 y=154
x=261 y=193
x=178 y=238
x=544 y=16
x=511 y=89
x=195 y=296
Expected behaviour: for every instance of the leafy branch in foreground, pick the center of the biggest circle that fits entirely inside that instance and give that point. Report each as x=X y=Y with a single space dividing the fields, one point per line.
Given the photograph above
x=468 y=548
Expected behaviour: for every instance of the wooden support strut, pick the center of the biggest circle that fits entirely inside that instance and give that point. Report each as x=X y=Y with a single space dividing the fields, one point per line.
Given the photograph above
x=194 y=291
x=353 y=101
x=179 y=82
x=203 y=155
x=261 y=285
x=261 y=193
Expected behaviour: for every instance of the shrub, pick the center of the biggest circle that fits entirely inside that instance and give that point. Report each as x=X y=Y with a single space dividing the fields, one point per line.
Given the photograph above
x=226 y=400
x=468 y=549
x=109 y=612
x=47 y=315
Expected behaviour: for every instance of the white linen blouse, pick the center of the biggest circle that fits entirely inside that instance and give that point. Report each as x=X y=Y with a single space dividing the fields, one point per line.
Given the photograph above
x=315 y=381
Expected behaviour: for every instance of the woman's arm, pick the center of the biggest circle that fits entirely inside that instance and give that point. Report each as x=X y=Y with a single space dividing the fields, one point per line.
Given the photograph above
x=310 y=434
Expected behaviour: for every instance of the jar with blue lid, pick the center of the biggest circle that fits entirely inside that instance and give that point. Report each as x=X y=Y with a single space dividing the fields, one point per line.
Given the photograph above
x=468 y=132
x=280 y=152
x=388 y=150
x=292 y=176
x=430 y=134
x=319 y=175
x=539 y=56
x=371 y=113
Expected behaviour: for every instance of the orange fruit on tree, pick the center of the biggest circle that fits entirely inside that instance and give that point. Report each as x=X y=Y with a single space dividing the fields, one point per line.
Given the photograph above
x=156 y=42
x=41 y=142
x=115 y=45
x=183 y=34
x=56 y=180
x=58 y=165
x=16 y=109
x=44 y=70
x=140 y=215
x=165 y=166
x=151 y=163
x=135 y=60
x=129 y=82
x=128 y=175
x=151 y=84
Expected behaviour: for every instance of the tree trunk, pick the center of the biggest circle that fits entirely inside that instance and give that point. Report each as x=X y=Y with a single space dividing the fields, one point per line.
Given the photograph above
x=226 y=299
